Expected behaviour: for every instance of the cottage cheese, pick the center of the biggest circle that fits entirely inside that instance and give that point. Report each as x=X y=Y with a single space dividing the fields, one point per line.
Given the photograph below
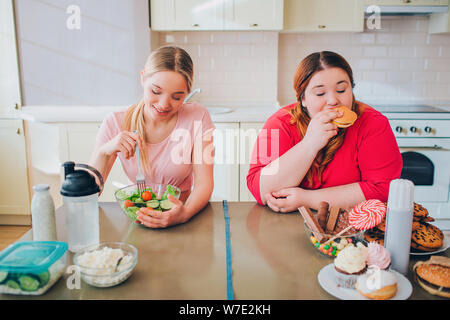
x=98 y=267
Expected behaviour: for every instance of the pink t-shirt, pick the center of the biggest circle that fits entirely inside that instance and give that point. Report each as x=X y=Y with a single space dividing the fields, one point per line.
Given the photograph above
x=171 y=159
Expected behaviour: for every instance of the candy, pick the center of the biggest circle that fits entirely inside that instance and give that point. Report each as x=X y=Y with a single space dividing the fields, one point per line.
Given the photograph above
x=367 y=214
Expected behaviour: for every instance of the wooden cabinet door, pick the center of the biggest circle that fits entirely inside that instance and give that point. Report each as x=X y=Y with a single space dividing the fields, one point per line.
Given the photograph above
x=226 y=162
x=186 y=14
x=14 y=195
x=81 y=141
x=324 y=15
x=247 y=138
x=10 y=97
x=254 y=15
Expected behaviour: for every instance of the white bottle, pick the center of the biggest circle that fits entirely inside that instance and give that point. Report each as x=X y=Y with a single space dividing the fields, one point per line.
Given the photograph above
x=43 y=214
x=399 y=218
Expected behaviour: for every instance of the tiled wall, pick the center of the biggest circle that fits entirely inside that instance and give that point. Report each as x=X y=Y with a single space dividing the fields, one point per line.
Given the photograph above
x=399 y=62
x=231 y=66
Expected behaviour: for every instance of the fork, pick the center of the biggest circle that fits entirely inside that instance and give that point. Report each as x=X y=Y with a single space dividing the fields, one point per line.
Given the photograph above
x=140 y=179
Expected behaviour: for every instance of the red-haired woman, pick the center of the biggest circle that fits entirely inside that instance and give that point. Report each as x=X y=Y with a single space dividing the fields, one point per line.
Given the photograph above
x=301 y=158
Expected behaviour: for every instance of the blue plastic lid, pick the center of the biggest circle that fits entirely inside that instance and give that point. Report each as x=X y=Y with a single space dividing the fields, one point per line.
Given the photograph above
x=31 y=256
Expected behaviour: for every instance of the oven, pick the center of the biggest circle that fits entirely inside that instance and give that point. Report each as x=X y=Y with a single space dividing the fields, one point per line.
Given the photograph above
x=423 y=136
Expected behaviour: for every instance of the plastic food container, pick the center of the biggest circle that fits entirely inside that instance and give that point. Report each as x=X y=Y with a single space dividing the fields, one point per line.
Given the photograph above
x=31 y=267
x=131 y=201
x=106 y=264
x=332 y=249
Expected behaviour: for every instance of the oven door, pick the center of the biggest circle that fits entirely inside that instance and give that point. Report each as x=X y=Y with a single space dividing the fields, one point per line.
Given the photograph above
x=426 y=162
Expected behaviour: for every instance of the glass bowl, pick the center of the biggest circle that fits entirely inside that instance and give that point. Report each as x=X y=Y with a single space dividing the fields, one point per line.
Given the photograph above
x=130 y=200
x=333 y=248
x=106 y=264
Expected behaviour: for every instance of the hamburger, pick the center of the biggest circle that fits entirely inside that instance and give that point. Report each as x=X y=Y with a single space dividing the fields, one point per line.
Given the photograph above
x=347 y=119
x=433 y=275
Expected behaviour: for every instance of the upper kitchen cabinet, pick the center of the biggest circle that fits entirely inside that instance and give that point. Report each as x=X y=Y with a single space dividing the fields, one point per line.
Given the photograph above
x=323 y=16
x=174 y=15
x=254 y=15
x=10 y=97
x=406 y=2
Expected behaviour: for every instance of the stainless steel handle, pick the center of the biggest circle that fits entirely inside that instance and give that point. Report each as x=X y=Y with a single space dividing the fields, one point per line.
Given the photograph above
x=434 y=147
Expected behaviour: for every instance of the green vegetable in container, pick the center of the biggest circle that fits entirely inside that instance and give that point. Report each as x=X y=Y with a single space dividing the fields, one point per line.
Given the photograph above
x=3 y=276
x=28 y=283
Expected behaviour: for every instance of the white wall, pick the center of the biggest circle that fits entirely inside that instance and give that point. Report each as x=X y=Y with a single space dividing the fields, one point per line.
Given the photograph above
x=401 y=62
x=98 y=64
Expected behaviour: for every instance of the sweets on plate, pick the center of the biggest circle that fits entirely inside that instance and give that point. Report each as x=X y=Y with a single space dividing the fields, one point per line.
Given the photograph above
x=349 y=263
x=425 y=237
x=377 y=284
x=378 y=256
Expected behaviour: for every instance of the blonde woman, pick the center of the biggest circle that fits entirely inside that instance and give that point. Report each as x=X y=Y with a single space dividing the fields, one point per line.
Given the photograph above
x=175 y=138
x=312 y=160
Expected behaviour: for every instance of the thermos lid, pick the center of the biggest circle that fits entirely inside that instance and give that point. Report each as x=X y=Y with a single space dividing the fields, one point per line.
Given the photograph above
x=77 y=183
x=401 y=195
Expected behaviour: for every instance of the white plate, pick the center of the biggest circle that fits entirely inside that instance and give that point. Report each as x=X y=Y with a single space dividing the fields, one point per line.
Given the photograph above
x=445 y=246
x=327 y=280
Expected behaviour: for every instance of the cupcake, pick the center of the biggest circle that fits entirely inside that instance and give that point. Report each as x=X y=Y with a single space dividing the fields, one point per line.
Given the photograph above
x=349 y=263
x=378 y=256
x=377 y=284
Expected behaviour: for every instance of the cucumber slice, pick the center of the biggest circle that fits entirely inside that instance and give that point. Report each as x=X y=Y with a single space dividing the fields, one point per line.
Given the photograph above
x=44 y=278
x=153 y=203
x=28 y=283
x=3 y=276
x=166 y=205
x=12 y=284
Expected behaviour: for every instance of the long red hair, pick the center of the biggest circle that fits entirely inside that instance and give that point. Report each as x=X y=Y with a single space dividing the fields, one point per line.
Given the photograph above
x=306 y=69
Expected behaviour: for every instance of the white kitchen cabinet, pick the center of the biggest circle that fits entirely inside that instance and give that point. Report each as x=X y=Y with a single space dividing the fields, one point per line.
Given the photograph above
x=201 y=15
x=80 y=145
x=247 y=137
x=14 y=195
x=323 y=16
x=226 y=162
x=439 y=23
x=10 y=97
x=405 y=2
x=253 y=15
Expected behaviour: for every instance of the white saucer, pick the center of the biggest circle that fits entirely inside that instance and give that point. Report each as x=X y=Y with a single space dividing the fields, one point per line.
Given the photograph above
x=327 y=280
x=445 y=246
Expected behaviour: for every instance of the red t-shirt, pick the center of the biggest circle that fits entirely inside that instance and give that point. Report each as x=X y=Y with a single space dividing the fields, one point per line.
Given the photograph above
x=369 y=154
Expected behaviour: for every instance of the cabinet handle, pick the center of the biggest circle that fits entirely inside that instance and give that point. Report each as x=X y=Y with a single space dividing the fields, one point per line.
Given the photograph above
x=195 y=25
x=16 y=106
x=253 y=25
x=406 y=1
x=18 y=131
x=321 y=26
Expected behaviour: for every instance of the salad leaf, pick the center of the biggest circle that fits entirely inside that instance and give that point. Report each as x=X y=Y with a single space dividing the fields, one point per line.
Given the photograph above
x=170 y=190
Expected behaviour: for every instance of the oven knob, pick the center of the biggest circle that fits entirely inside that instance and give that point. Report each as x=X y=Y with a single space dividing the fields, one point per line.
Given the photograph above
x=427 y=129
x=413 y=129
x=399 y=129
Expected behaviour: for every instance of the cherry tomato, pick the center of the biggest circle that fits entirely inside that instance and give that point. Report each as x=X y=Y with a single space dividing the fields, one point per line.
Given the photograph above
x=146 y=195
x=128 y=203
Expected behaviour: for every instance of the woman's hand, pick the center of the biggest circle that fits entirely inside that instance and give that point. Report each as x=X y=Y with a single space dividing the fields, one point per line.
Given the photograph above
x=285 y=200
x=157 y=219
x=124 y=142
x=320 y=129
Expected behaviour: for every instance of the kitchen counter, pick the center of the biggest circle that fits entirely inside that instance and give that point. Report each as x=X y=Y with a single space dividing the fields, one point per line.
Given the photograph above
x=272 y=258
x=250 y=112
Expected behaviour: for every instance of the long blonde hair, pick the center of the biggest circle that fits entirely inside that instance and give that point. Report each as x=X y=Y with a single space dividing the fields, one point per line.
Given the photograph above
x=299 y=114
x=167 y=58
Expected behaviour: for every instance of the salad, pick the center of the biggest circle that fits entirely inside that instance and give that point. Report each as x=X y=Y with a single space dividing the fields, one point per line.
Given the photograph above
x=131 y=203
